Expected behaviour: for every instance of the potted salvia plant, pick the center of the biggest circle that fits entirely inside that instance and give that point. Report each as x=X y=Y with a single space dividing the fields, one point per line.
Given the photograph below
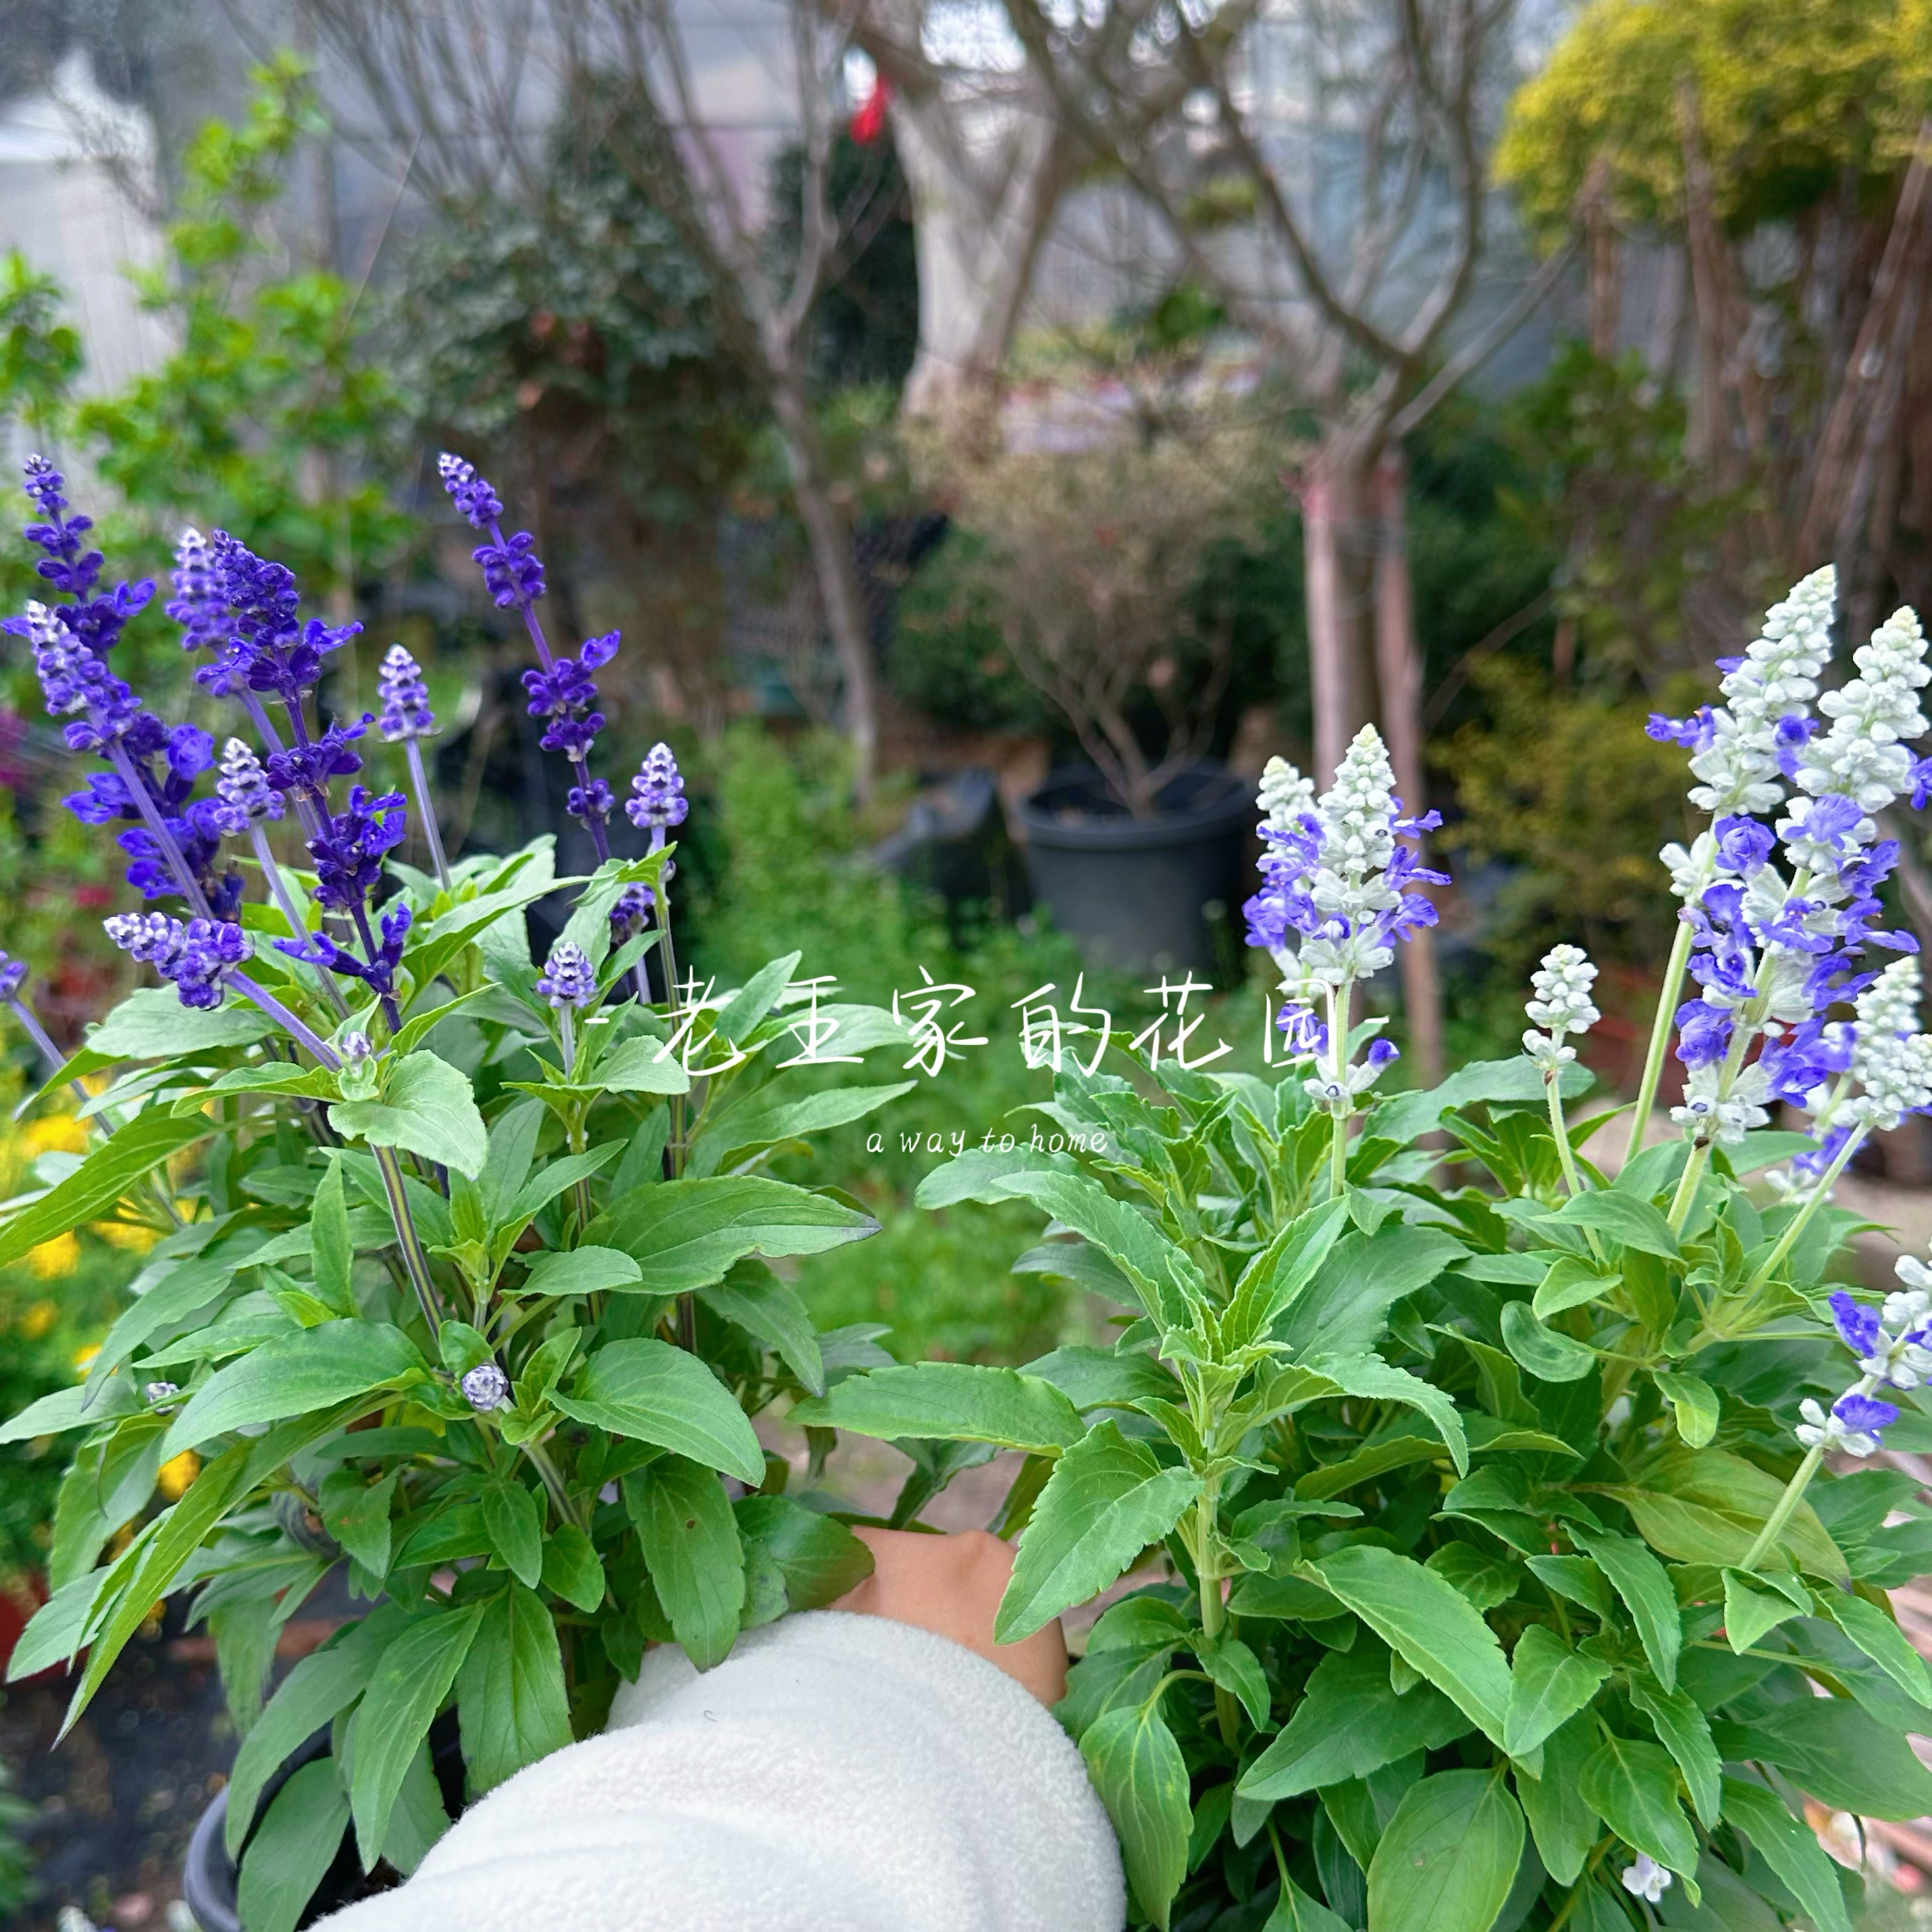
x=458 y=1275
x=1505 y=1547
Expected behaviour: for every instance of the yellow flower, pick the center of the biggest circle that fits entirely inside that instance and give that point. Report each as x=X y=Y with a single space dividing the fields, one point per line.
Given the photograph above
x=37 y=1317
x=60 y=1256
x=55 y=1134
x=173 y=1477
x=84 y=1358
x=129 y=1235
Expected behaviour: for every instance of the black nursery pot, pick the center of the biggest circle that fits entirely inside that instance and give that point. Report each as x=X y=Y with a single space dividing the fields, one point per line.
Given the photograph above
x=1133 y=892
x=209 y=1878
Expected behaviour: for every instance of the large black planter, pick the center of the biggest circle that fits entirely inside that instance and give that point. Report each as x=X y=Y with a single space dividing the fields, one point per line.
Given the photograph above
x=1132 y=891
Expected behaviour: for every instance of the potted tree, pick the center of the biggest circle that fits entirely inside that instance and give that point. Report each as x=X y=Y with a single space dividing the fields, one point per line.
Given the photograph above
x=1083 y=558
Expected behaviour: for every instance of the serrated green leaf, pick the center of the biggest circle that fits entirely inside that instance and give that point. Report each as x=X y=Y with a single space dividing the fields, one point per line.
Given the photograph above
x=647 y=1390
x=572 y=1569
x=951 y=1401
x=1790 y=1848
x=1139 y=1771
x=1428 y=1622
x=696 y=1559
x=1106 y=1501
x=297 y=1841
x=515 y=1526
x=1548 y=1354
x=1549 y=1684
x=426 y=1107
x=1448 y=1857
x=1883 y=1642
x=406 y=1688
x=772 y=1312
x=588 y=1270
x=1562 y=1823
x=1644 y=1584
x=1682 y=1729
x=818 y=1557
x=1633 y=1787
x=511 y=1700
x=357 y=1514
x=1625 y=1218
x=1370 y=1377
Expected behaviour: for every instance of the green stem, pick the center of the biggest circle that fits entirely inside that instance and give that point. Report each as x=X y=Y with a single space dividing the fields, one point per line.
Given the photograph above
x=1686 y=1185
x=1788 y=1239
x=1660 y=1031
x=414 y=1260
x=1794 y=1494
x=1560 y=1131
x=1214 y=1615
x=553 y=1480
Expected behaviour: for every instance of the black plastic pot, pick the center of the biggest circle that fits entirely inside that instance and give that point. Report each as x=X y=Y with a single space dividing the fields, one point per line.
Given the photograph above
x=208 y=1876
x=1133 y=892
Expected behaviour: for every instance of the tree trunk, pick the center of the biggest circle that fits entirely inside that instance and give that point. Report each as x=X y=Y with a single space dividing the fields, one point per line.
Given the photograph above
x=975 y=240
x=838 y=579
x=1333 y=546
x=1399 y=671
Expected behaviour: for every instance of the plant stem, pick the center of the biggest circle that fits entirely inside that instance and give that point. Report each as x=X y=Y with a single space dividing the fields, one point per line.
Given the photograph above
x=1788 y=1239
x=1686 y=1185
x=171 y=854
x=1214 y=1615
x=1659 y=1041
x=414 y=1260
x=1794 y=1494
x=426 y=811
x=553 y=1480
x=1560 y=1131
x=302 y=1034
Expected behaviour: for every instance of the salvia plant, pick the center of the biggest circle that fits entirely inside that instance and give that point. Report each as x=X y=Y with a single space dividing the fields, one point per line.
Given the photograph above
x=1504 y=1545
x=459 y=1265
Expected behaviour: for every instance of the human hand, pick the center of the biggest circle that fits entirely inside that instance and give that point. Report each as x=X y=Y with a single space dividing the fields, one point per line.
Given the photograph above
x=952 y=1585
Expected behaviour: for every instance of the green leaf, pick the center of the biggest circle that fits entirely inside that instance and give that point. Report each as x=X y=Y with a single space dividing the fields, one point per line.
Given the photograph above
x=426 y=1107
x=767 y=1117
x=292 y=1375
x=770 y=1311
x=687 y=1234
x=1840 y=1753
x=1106 y=1501
x=515 y=1526
x=1693 y=1401
x=1633 y=1788
x=691 y=1542
x=571 y=1567
x=66 y=1408
x=1430 y=1623
x=1280 y=1273
x=1349 y=1723
x=554 y=1177
x=406 y=1689
x=357 y=1514
x=1344 y=1309
x=151 y=1024
x=1625 y=1218
x=1516 y=1080
x=1295 y=1911
x=1707 y=1505
x=1549 y=1684
x=954 y=1401
x=978 y=1173
x=1370 y=1377
x=1169 y=1281
x=1749 y=1612
x=642 y=1065
x=1790 y=1848
x=1572 y=1281
x=417 y=1819
x=756 y=997
x=1142 y=1777
x=1561 y=1822
x=1883 y=1642
x=1682 y=1729
x=100 y=1181
x=297 y=1841
x=1576 y=1578
x=1237 y=1670
x=511 y=1700
x=1644 y=1584
x=318 y=1690
x=1448 y=1857
x=561 y=1271
x=332 y=1251
x=1548 y=1354
x=647 y=1390
x=817 y=1556
x=1104 y=1379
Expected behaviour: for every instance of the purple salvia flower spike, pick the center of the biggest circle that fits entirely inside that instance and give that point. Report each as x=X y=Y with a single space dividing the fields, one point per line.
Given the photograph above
x=404 y=711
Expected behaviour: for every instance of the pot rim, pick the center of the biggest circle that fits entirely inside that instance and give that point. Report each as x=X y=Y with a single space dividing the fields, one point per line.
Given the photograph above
x=1227 y=802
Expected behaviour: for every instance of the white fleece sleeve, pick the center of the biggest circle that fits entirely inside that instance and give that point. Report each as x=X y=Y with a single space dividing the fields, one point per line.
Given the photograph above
x=837 y=1773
